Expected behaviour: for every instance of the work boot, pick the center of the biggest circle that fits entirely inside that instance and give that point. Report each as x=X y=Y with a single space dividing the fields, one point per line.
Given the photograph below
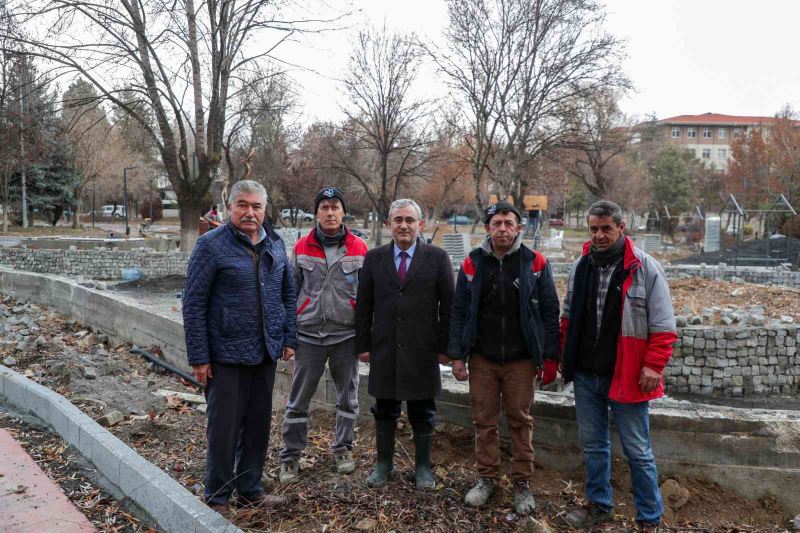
x=289 y=471
x=648 y=527
x=480 y=493
x=423 y=476
x=523 y=498
x=222 y=508
x=262 y=501
x=384 y=444
x=344 y=462
x=589 y=515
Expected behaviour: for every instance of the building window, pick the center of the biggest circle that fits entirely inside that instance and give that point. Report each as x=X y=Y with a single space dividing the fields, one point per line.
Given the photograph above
x=691 y=153
x=722 y=133
x=706 y=133
x=691 y=133
x=706 y=153
x=737 y=132
x=676 y=133
x=722 y=153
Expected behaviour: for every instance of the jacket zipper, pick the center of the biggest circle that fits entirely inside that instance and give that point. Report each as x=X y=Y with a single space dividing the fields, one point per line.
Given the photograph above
x=503 y=315
x=257 y=266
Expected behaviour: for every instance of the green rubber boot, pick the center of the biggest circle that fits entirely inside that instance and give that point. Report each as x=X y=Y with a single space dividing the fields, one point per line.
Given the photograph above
x=384 y=443
x=423 y=475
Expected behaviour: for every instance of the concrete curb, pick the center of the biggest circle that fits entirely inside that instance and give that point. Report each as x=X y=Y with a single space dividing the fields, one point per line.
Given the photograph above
x=173 y=508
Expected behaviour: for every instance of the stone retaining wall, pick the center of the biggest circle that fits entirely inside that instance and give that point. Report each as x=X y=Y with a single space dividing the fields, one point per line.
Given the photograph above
x=735 y=361
x=749 y=274
x=95 y=264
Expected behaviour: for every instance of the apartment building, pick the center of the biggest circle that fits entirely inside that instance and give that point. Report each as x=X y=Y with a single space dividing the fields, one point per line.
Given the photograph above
x=709 y=136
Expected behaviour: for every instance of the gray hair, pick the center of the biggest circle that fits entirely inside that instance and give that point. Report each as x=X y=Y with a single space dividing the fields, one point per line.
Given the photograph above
x=246 y=187
x=605 y=208
x=403 y=202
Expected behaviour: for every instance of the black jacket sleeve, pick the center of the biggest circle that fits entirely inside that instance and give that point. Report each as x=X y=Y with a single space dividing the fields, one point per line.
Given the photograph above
x=365 y=306
x=458 y=317
x=549 y=308
x=444 y=288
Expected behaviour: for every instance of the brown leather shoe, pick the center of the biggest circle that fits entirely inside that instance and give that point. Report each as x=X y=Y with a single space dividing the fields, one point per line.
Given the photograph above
x=264 y=501
x=222 y=508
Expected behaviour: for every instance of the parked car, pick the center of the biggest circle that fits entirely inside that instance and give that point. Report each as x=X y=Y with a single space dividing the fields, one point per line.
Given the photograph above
x=286 y=214
x=110 y=211
x=459 y=219
x=555 y=223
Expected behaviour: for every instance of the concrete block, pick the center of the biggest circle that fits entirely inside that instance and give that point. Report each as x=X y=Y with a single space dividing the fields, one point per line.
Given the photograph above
x=105 y=455
x=15 y=391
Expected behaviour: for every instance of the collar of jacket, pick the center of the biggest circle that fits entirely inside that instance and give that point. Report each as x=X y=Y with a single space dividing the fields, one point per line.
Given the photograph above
x=347 y=241
x=270 y=233
x=486 y=245
x=629 y=259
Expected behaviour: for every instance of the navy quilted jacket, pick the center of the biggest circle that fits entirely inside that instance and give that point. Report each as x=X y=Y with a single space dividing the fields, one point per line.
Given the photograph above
x=222 y=320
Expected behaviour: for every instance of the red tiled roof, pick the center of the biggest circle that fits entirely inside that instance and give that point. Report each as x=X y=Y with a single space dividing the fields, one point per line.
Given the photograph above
x=716 y=118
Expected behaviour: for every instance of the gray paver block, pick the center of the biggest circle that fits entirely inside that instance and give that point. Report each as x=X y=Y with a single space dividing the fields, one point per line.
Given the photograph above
x=106 y=456
x=135 y=472
x=15 y=391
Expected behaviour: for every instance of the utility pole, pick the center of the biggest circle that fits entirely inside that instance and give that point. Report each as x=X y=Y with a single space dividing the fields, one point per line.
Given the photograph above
x=94 y=190
x=23 y=89
x=125 y=198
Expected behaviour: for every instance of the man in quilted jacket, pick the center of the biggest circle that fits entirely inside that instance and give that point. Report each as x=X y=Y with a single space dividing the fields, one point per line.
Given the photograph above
x=239 y=319
x=326 y=265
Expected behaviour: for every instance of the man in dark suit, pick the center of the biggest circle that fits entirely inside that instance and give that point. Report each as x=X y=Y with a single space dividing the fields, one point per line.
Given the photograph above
x=402 y=316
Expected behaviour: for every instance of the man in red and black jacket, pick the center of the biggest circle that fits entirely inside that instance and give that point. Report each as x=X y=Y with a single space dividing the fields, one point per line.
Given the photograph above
x=504 y=319
x=618 y=329
x=326 y=266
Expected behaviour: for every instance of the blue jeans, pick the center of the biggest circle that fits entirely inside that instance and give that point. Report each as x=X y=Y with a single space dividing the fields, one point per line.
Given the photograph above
x=633 y=426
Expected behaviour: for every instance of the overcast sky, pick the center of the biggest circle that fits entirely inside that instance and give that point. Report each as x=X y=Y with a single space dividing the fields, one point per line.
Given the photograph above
x=734 y=57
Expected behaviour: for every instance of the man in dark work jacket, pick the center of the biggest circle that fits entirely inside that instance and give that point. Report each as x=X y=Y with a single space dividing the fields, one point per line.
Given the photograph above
x=505 y=321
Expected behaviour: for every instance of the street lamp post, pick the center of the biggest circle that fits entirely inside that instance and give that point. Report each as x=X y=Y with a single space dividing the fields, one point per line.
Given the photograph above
x=125 y=198
x=94 y=190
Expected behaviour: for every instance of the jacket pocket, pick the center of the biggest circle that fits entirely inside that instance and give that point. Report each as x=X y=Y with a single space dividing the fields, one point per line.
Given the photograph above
x=634 y=313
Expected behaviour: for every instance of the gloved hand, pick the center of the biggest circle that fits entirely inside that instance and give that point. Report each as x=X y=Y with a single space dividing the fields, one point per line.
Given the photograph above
x=548 y=371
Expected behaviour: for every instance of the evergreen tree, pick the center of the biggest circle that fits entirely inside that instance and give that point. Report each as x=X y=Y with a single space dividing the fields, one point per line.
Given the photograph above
x=670 y=181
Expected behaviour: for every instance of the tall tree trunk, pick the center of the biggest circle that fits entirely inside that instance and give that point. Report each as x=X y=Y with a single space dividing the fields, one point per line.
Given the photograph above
x=76 y=211
x=5 y=202
x=190 y=224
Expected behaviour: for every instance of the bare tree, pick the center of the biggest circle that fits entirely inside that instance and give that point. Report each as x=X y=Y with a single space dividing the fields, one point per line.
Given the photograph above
x=178 y=59
x=384 y=128
x=517 y=65
x=597 y=134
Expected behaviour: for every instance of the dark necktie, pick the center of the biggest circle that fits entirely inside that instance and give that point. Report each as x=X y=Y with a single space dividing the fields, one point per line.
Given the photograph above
x=401 y=271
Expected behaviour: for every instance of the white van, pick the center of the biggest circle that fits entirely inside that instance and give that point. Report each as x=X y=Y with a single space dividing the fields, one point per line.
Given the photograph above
x=108 y=211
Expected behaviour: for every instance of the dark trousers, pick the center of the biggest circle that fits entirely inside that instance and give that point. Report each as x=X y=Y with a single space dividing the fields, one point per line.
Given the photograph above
x=421 y=413
x=239 y=414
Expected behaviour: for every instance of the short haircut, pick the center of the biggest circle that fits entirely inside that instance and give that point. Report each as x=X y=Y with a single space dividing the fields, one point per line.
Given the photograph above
x=246 y=187
x=403 y=202
x=605 y=208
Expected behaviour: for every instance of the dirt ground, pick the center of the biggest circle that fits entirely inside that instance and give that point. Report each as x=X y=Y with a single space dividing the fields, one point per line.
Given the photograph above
x=171 y=434
x=690 y=296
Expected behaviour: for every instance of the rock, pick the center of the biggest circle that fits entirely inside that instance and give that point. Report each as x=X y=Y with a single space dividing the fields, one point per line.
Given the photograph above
x=54 y=345
x=40 y=341
x=101 y=286
x=88 y=341
x=674 y=494
x=695 y=320
x=110 y=419
x=796 y=523
x=680 y=321
x=102 y=338
x=197 y=489
x=531 y=525
x=89 y=372
x=10 y=361
x=726 y=321
x=81 y=334
x=21 y=347
x=366 y=524
x=786 y=319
